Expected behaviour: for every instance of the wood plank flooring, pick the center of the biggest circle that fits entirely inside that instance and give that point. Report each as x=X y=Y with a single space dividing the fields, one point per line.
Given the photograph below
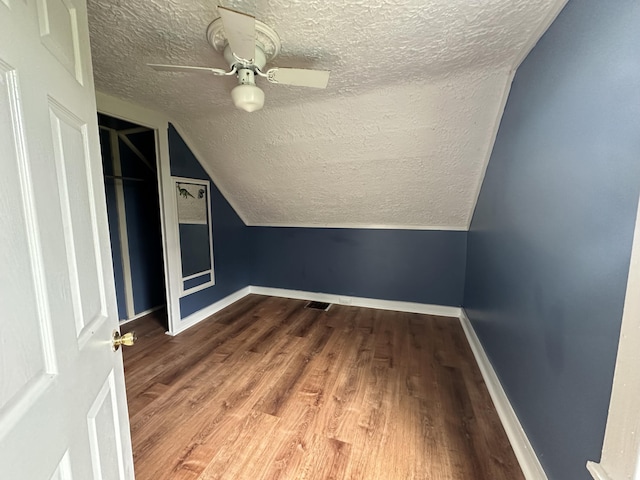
x=267 y=389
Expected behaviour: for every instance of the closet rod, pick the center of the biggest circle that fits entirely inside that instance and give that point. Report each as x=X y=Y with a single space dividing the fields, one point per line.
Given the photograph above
x=118 y=177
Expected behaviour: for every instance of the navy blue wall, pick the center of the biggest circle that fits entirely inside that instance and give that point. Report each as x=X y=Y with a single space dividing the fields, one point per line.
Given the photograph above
x=408 y=265
x=230 y=241
x=195 y=253
x=549 y=246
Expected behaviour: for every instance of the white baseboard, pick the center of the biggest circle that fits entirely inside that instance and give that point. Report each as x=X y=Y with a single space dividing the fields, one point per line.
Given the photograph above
x=360 y=301
x=141 y=314
x=206 y=312
x=597 y=471
x=411 y=307
x=525 y=453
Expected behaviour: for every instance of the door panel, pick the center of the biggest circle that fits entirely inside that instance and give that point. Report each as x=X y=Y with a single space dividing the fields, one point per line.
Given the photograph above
x=27 y=357
x=104 y=436
x=63 y=412
x=59 y=33
x=78 y=215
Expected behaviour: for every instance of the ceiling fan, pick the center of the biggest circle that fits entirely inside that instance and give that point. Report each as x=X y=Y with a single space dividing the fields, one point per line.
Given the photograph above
x=248 y=45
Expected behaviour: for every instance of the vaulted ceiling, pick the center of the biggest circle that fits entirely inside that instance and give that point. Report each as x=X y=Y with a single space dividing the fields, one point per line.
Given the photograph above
x=401 y=136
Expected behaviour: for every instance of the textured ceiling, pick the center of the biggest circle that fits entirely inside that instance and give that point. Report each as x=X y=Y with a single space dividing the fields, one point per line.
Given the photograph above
x=401 y=136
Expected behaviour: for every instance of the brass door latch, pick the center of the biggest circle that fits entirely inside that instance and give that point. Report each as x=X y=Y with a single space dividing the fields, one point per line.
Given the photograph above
x=128 y=339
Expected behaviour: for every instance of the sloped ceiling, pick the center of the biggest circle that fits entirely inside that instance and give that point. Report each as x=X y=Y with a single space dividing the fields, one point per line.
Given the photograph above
x=401 y=136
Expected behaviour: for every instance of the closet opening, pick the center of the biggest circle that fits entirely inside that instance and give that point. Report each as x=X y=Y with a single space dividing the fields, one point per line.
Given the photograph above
x=130 y=166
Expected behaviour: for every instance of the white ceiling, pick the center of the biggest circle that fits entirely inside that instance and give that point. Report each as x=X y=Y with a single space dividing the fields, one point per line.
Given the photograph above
x=401 y=136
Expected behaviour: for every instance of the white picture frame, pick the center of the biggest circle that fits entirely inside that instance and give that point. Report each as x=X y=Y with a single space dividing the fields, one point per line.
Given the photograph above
x=193 y=207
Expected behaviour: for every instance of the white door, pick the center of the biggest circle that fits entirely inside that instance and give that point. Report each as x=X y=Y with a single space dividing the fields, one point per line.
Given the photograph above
x=63 y=413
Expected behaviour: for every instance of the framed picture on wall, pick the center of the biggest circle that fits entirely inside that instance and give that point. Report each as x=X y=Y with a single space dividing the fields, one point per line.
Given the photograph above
x=193 y=205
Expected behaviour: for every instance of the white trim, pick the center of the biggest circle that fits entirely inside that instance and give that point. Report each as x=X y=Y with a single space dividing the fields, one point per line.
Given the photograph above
x=597 y=472
x=141 y=314
x=130 y=112
x=411 y=307
x=198 y=287
x=398 y=306
x=123 y=233
x=169 y=218
x=364 y=226
x=170 y=243
x=211 y=271
x=620 y=457
x=529 y=463
x=206 y=312
x=196 y=275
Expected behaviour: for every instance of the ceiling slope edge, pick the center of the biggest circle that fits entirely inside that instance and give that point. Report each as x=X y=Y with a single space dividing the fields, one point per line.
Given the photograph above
x=490 y=144
x=542 y=27
x=363 y=226
x=526 y=49
x=209 y=171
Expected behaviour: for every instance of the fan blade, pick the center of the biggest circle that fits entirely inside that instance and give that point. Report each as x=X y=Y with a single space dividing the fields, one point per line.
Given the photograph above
x=186 y=69
x=300 y=77
x=240 y=30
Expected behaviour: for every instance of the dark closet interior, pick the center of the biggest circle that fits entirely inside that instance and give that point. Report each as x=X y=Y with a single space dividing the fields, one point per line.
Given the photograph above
x=129 y=163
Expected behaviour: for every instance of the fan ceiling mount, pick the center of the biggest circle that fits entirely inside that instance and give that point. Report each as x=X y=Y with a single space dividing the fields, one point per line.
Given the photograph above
x=266 y=38
x=248 y=45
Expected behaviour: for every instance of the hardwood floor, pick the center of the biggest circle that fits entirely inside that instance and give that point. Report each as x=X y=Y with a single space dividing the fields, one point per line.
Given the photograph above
x=267 y=389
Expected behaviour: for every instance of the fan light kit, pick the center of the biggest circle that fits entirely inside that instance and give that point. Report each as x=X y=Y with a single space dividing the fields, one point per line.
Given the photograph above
x=248 y=45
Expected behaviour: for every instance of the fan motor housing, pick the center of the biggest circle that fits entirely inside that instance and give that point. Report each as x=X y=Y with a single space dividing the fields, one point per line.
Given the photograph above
x=259 y=60
x=246 y=77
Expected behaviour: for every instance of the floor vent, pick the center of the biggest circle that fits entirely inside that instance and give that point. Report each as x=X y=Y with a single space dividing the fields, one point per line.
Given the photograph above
x=318 y=305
